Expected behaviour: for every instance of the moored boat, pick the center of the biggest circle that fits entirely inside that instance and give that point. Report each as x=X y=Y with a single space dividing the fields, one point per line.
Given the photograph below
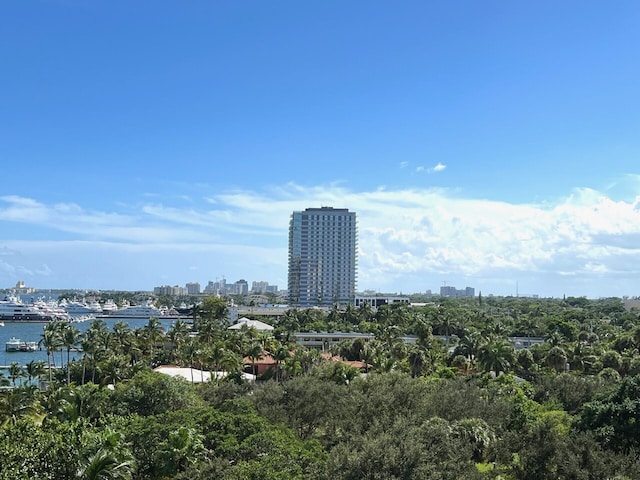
x=13 y=310
x=28 y=346
x=143 y=311
x=12 y=345
x=16 y=345
x=109 y=307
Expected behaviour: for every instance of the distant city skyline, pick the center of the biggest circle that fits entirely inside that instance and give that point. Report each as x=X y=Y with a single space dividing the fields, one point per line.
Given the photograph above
x=489 y=145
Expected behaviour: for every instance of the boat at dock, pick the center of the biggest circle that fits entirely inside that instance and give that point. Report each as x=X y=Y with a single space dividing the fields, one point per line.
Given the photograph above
x=143 y=311
x=12 y=345
x=16 y=345
x=13 y=310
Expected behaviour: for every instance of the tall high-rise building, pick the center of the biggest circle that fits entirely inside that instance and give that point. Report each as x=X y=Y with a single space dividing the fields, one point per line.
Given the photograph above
x=322 y=257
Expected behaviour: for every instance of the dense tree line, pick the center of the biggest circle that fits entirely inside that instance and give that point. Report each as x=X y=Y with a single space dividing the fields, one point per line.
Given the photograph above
x=460 y=402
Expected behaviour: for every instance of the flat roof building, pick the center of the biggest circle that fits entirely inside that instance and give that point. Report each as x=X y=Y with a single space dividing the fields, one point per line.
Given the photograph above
x=322 y=257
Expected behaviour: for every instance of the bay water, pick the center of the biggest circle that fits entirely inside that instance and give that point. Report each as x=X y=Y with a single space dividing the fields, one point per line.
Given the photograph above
x=32 y=332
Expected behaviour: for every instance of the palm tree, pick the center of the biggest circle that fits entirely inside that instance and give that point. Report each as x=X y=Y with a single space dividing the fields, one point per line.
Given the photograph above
x=15 y=372
x=496 y=355
x=122 y=334
x=255 y=353
x=557 y=359
x=89 y=343
x=384 y=363
x=188 y=353
x=423 y=330
x=208 y=330
x=236 y=341
x=208 y=357
x=61 y=403
x=113 y=369
x=181 y=448
x=308 y=359
x=105 y=465
x=50 y=341
x=289 y=321
x=469 y=344
x=178 y=334
x=214 y=310
x=293 y=365
x=266 y=340
x=528 y=326
x=230 y=362
x=367 y=355
x=20 y=403
x=153 y=332
x=476 y=432
x=350 y=315
x=555 y=339
x=365 y=312
x=195 y=315
x=417 y=359
x=34 y=369
x=280 y=353
x=446 y=323
x=70 y=337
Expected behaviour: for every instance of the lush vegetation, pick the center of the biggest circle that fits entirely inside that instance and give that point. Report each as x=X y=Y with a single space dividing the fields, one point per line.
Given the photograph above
x=459 y=402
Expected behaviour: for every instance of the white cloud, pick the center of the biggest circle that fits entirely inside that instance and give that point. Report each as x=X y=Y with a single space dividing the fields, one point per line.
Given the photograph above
x=404 y=164
x=409 y=239
x=439 y=167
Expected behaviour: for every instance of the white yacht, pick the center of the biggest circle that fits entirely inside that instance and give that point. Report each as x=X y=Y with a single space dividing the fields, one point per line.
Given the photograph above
x=109 y=307
x=12 y=345
x=146 y=310
x=51 y=307
x=95 y=306
x=16 y=345
x=75 y=308
x=13 y=310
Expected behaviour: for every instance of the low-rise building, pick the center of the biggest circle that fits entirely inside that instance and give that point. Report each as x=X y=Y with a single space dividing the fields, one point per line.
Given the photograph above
x=323 y=341
x=377 y=301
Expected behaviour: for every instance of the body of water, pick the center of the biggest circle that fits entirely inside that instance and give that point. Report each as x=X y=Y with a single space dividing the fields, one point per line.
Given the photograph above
x=32 y=332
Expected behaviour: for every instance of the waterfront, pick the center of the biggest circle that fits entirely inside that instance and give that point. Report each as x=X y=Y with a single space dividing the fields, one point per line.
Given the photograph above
x=32 y=332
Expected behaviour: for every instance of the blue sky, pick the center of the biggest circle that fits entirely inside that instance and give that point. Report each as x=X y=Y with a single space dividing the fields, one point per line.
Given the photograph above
x=482 y=144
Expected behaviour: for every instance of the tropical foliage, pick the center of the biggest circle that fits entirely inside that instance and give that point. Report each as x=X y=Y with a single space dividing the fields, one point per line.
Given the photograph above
x=460 y=399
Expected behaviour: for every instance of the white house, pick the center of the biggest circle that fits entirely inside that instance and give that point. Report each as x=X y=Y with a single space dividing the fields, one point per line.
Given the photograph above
x=257 y=324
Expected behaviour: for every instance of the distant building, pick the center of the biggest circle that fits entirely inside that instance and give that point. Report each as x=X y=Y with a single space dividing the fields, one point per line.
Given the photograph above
x=322 y=257
x=241 y=287
x=263 y=287
x=323 y=341
x=219 y=287
x=173 y=291
x=22 y=289
x=257 y=324
x=449 y=291
x=378 y=301
x=193 y=288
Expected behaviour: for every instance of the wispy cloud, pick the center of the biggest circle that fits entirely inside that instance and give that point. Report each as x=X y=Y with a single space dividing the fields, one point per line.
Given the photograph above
x=439 y=167
x=409 y=239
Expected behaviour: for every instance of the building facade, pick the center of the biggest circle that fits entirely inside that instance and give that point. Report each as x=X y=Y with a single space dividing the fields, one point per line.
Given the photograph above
x=449 y=291
x=377 y=301
x=322 y=257
x=173 y=291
